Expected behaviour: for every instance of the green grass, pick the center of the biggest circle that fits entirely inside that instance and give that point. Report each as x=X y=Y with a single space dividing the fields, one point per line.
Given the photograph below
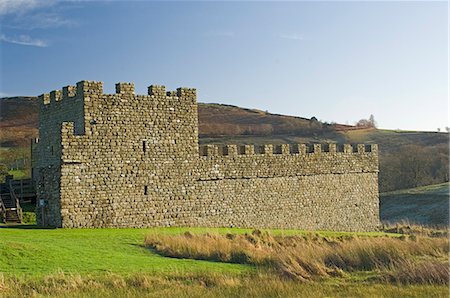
x=48 y=251
x=41 y=252
x=428 y=189
x=19 y=174
x=114 y=263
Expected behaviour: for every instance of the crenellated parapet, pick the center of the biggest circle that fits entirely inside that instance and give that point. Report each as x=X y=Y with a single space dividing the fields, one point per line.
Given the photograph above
x=286 y=149
x=89 y=87
x=83 y=88
x=187 y=92
x=125 y=88
x=44 y=99
x=157 y=90
x=284 y=160
x=93 y=88
x=160 y=91
x=69 y=91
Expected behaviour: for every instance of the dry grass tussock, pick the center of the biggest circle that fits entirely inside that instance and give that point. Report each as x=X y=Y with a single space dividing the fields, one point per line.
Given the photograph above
x=408 y=259
x=407 y=228
x=200 y=285
x=108 y=285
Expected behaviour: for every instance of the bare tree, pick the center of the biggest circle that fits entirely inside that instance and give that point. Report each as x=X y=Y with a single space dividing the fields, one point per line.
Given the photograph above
x=367 y=123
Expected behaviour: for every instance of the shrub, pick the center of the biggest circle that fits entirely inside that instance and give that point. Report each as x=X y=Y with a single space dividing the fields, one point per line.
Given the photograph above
x=29 y=217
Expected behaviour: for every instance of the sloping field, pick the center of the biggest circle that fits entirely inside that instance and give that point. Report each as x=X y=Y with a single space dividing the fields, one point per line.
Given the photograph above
x=393 y=140
x=428 y=205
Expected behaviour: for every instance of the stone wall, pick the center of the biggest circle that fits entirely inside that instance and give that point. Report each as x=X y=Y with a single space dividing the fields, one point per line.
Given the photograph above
x=126 y=160
x=54 y=109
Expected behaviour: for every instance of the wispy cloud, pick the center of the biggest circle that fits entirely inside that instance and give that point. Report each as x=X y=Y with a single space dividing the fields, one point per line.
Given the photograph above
x=24 y=40
x=292 y=36
x=26 y=15
x=22 y=6
x=33 y=14
x=219 y=34
x=42 y=21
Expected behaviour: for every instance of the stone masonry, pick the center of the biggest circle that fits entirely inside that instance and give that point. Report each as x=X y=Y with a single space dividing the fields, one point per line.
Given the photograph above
x=126 y=160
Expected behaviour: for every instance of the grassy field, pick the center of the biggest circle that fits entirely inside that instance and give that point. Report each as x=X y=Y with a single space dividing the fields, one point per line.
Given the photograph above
x=426 y=205
x=26 y=250
x=40 y=252
x=118 y=262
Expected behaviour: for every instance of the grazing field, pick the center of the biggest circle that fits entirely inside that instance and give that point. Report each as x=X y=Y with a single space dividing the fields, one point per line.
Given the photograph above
x=143 y=263
x=427 y=205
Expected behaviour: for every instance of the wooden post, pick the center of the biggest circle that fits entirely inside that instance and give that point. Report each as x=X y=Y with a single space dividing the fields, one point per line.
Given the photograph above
x=21 y=190
x=31 y=159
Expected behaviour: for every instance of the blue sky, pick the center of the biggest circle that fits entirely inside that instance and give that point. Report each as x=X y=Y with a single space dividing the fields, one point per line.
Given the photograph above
x=337 y=61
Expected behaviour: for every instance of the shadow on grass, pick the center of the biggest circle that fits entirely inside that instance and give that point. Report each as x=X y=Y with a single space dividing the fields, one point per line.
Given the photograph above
x=24 y=227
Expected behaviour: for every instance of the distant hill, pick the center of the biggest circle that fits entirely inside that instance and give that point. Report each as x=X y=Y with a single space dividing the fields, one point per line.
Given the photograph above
x=18 y=121
x=407 y=158
x=219 y=120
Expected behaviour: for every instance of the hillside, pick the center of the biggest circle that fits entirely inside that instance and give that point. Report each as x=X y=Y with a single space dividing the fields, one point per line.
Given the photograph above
x=18 y=121
x=219 y=120
x=407 y=158
x=423 y=205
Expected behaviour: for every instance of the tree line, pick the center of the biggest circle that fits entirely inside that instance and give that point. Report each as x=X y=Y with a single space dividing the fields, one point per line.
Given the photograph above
x=412 y=166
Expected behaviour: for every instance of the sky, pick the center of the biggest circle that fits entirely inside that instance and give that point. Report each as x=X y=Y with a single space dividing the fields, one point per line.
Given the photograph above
x=336 y=61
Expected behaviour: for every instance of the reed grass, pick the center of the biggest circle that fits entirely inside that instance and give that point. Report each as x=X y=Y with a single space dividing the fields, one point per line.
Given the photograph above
x=311 y=257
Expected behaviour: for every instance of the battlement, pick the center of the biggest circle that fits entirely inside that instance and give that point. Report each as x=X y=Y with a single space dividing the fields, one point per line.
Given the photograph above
x=125 y=88
x=160 y=90
x=89 y=88
x=157 y=90
x=286 y=149
x=70 y=92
